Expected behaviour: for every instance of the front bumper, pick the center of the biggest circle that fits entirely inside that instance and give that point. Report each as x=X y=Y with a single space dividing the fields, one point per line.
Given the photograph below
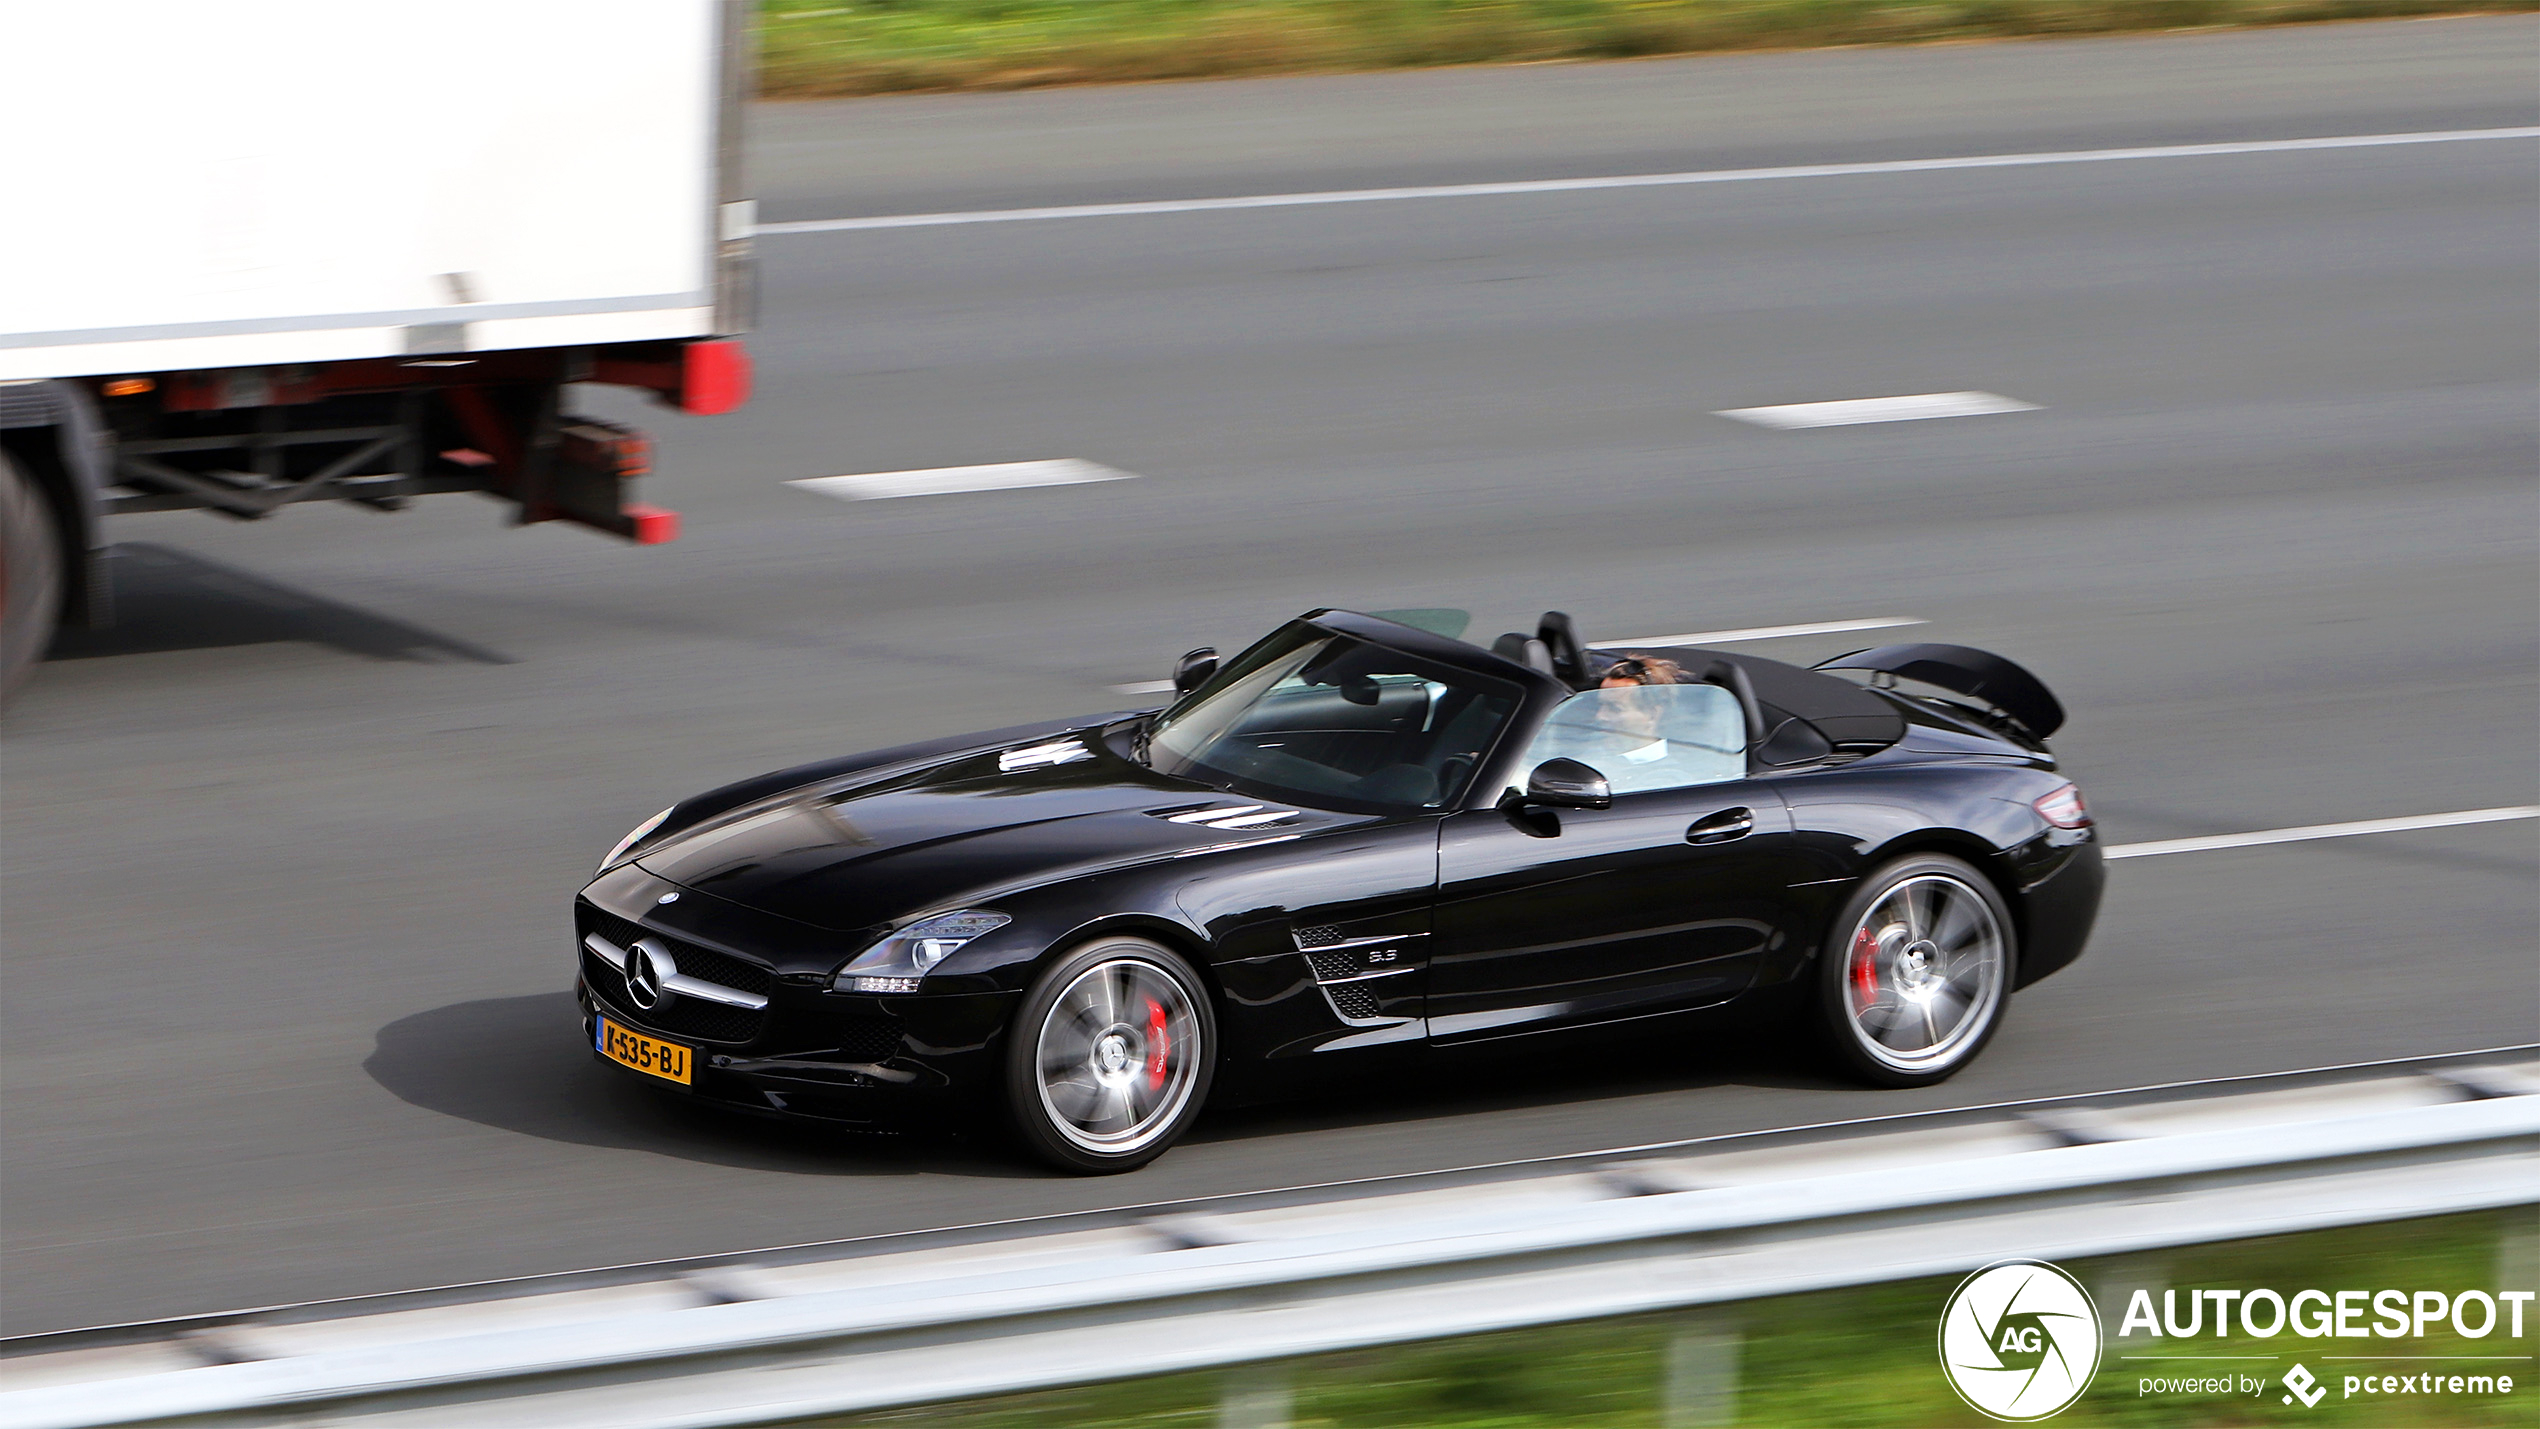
x=856 y=1063
x=802 y=1050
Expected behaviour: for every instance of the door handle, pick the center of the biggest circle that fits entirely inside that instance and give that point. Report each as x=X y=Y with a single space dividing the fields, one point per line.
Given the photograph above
x=1721 y=827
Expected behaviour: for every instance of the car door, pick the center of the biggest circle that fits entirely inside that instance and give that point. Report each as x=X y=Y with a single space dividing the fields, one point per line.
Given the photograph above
x=1666 y=901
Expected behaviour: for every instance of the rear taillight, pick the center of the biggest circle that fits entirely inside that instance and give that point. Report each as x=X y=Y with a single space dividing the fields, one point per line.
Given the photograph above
x=2064 y=809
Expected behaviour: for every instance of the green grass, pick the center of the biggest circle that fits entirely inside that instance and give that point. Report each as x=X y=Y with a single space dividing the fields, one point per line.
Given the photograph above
x=842 y=47
x=1862 y=1357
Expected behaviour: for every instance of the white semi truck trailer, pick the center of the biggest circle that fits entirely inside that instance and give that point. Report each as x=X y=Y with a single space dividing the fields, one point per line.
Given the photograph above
x=260 y=252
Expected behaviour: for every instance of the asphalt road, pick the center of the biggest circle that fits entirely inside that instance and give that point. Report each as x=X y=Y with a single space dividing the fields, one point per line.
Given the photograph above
x=288 y=854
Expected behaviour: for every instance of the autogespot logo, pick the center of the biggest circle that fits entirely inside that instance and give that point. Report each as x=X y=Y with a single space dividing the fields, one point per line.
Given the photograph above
x=2019 y=1340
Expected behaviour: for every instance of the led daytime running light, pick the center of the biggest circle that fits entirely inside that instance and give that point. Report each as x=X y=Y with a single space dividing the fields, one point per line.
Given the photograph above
x=901 y=960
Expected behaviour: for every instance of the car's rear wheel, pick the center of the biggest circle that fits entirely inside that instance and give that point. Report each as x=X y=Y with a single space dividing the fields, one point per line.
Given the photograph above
x=1111 y=1056
x=1917 y=972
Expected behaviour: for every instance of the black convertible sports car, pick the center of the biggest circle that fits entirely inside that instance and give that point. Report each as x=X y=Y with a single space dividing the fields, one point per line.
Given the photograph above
x=1360 y=838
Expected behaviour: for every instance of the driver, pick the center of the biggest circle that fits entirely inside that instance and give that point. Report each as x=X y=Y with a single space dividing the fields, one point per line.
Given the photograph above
x=1642 y=670
x=1634 y=719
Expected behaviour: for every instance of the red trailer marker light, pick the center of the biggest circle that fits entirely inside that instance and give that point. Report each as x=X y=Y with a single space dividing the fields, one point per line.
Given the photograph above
x=714 y=377
x=653 y=525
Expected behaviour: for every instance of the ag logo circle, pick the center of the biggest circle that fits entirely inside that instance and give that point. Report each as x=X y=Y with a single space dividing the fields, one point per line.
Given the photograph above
x=2019 y=1340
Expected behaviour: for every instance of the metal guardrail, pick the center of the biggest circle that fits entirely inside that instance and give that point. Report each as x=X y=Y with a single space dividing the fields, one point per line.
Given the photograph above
x=741 y=1343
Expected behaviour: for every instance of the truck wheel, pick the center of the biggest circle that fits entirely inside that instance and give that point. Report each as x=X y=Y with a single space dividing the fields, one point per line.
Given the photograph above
x=30 y=575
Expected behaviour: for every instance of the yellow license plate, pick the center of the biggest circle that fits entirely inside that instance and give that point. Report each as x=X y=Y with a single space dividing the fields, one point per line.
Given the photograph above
x=666 y=1060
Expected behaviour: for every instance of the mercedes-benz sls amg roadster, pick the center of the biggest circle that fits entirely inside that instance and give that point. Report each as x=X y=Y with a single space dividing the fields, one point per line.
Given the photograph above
x=1360 y=838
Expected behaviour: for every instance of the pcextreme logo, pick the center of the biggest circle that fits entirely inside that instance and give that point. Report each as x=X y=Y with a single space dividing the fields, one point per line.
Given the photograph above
x=2019 y=1340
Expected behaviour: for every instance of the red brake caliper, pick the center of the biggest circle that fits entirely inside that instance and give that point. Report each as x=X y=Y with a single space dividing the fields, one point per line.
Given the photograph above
x=1865 y=970
x=1159 y=1042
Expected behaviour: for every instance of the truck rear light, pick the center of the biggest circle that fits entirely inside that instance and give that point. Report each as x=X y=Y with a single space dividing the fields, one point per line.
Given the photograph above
x=2064 y=809
x=714 y=378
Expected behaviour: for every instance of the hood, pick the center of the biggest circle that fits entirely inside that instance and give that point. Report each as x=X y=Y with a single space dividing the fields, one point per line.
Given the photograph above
x=860 y=856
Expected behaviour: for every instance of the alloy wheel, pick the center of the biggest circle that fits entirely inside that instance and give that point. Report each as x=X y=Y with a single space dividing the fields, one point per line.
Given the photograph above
x=1924 y=973
x=1118 y=1056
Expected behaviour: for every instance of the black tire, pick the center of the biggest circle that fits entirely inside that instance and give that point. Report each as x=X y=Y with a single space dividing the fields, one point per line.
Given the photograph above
x=1916 y=972
x=1110 y=1056
x=30 y=575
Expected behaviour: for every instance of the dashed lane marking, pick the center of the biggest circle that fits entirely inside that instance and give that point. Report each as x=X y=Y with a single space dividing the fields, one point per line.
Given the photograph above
x=949 y=480
x=2324 y=831
x=1637 y=181
x=1861 y=411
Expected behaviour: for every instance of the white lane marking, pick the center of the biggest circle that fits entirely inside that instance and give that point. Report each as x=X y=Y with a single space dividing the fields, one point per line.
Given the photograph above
x=1921 y=407
x=2324 y=831
x=1144 y=687
x=947 y=480
x=1637 y=181
x=1759 y=632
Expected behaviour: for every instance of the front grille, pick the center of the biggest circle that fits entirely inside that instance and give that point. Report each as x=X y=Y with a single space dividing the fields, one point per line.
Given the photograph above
x=696 y=961
x=1355 y=1000
x=679 y=1016
x=868 y=1039
x=1317 y=937
x=1328 y=966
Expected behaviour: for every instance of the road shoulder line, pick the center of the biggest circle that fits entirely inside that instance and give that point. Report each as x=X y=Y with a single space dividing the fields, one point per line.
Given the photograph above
x=1637 y=181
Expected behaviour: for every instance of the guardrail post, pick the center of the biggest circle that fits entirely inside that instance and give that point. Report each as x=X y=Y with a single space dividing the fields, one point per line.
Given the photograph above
x=1702 y=1371
x=1256 y=1397
x=2112 y=1282
x=2518 y=1250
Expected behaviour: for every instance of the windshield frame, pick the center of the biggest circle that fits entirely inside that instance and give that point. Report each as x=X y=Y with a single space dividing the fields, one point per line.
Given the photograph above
x=1279 y=643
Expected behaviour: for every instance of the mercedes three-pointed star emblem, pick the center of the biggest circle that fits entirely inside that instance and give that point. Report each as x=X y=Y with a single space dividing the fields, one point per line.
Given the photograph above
x=649 y=968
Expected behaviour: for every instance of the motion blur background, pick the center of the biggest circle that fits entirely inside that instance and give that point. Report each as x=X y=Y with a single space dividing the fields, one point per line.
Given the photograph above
x=289 y=851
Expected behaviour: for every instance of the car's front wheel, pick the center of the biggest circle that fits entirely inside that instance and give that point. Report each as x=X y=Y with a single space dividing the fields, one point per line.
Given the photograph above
x=1916 y=972
x=1111 y=1056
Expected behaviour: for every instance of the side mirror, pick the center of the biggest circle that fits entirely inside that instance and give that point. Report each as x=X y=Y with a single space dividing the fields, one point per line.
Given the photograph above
x=1192 y=670
x=1568 y=784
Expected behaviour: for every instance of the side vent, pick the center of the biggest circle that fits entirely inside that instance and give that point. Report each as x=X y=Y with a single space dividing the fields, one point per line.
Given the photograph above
x=1348 y=969
x=1331 y=967
x=1355 y=1001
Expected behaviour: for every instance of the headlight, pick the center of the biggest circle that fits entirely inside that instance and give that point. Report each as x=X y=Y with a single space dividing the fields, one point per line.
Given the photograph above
x=902 y=959
x=617 y=855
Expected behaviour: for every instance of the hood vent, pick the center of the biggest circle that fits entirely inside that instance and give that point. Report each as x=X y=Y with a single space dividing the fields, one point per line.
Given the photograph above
x=1043 y=756
x=1228 y=816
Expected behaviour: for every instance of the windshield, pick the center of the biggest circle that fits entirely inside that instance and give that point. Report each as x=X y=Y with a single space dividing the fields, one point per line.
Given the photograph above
x=1334 y=722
